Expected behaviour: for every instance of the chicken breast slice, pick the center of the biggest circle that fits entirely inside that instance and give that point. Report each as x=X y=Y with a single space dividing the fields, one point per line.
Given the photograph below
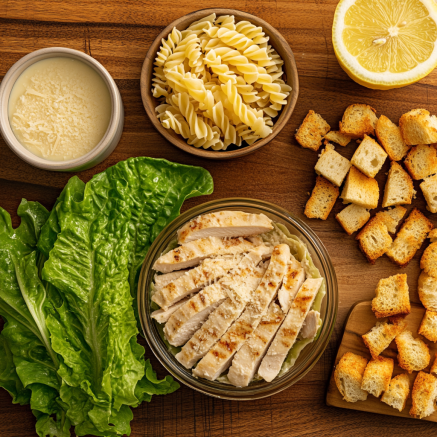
x=161 y=316
x=195 y=279
x=217 y=360
x=311 y=325
x=248 y=358
x=287 y=334
x=192 y=253
x=190 y=317
x=293 y=280
x=247 y=279
x=162 y=280
x=224 y=224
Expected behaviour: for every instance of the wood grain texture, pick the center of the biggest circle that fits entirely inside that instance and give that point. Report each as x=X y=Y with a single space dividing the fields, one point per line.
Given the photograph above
x=360 y=320
x=290 y=77
x=118 y=34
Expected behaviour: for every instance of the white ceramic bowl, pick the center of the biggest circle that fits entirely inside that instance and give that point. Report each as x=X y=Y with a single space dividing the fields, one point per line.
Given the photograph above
x=106 y=145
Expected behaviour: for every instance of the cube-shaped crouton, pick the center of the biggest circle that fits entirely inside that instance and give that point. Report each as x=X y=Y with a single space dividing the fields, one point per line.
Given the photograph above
x=358 y=120
x=429 y=190
x=428 y=291
x=389 y=136
x=374 y=239
x=377 y=375
x=428 y=326
x=360 y=190
x=428 y=263
x=352 y=218
x=337 y=137
x=322 y=199
x=433 y=370
x=424 y=395
x=433 y=236
x=378 y=339
x=332 y=166
x=399 y=188
x=421 y=161
x=391 y=297
x=312 y=130
x=398 y=391
x=392 y=217
x=418 y=127
x=413 y=353
x=369 y=157
x=413 y=232
x=348 y=376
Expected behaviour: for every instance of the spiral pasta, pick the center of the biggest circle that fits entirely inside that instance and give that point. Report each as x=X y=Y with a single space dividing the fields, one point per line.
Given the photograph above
x=219 y=83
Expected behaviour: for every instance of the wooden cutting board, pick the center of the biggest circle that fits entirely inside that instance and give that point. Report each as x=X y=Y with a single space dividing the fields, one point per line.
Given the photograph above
x=360 y=320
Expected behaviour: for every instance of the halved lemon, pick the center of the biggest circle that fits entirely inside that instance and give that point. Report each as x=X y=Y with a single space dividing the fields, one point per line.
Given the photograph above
x=383 y=44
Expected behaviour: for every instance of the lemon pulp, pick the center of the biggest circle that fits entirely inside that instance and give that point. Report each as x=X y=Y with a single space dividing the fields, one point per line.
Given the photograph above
x=386 y=43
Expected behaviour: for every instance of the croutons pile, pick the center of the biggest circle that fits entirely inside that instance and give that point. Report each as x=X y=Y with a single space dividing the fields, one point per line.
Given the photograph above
x=414 y=141
x=356 y=377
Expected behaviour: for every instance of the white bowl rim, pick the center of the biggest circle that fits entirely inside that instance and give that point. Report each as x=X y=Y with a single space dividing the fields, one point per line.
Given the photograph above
x=5 y=90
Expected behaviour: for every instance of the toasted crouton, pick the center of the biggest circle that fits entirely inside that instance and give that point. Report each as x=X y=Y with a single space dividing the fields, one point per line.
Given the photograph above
x=410 y=237
x=424 y=394
x=433 y=370
x=391 y=297
x=377 y=375
x=332 y=166
x=429 y=260
x=338 y=137
x=418 y=127
x=433 y=236
x=312 y=130
x=428 y=291
x=413 y=352
x=429 y=190
x=374 y=239
x=398 y=391
x=360 y=190
x=392 y=217
x=322 y=199
x=358 y=120
x=421 y=161
x=428 y=326
x=378 y=339
x=348 y=377
x=389 y=136
x=352 y=218
x=399 y=189
x=369 y=157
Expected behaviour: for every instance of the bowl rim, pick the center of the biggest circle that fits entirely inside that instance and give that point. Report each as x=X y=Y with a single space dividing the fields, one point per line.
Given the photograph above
x=21 y=151
x=149 y=100
x=224 y=391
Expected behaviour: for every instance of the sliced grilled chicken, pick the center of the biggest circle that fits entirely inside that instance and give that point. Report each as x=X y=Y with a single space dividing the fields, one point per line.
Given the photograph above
x=220 y=356
x=161 y=316
x=311 y=325
x=184 y=322
x=287 y=334
x=163 y=280
x=195 y=279
x=246 y=279
x=190 y=254
x=293 y=280
x=248 y=358
x=224 y=224
x=188 y=319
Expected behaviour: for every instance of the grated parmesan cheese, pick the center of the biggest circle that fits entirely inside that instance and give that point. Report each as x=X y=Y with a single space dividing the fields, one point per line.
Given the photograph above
x=59 y=108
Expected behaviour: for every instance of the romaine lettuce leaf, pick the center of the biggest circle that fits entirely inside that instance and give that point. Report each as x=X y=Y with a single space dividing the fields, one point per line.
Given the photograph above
x=100 y=241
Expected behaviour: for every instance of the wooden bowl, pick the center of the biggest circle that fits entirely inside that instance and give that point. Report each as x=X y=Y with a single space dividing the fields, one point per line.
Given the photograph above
x=290 y=77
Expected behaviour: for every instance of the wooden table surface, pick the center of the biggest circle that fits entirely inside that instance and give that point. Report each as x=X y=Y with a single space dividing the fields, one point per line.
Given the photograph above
x=118 y=33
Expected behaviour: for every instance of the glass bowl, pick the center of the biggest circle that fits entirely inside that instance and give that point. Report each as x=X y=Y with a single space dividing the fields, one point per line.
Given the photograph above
x=309 y=355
